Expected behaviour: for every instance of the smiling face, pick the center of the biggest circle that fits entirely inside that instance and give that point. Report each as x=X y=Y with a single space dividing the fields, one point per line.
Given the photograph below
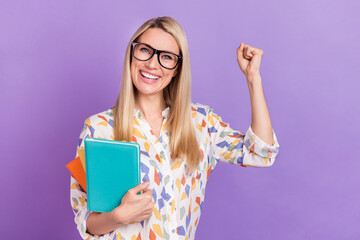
x=149 y=77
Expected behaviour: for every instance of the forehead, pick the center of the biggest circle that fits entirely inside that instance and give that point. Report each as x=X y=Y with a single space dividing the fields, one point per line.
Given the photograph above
x=159 y=39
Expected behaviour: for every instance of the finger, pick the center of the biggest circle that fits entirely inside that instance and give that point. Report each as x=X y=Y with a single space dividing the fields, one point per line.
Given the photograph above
x=255 y=51
x=240 y=53
x=148 y=191
x=140 y=187
x=241 y=47
x=148 y=214
x=247 y=52
x=148 y=195
x=144 y=215
x=149 y=209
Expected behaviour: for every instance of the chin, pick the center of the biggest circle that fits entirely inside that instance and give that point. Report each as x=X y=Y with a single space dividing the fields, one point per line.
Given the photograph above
x=144 y=90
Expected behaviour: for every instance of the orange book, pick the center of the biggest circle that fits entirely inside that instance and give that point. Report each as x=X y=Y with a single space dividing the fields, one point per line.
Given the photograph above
x=81 y=152
x=77 y=171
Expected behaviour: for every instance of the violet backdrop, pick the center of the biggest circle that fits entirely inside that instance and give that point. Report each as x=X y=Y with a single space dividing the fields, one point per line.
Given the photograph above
x=61 y=61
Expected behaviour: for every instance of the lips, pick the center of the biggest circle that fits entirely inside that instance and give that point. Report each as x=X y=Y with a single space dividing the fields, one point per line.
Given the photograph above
x=148 y=77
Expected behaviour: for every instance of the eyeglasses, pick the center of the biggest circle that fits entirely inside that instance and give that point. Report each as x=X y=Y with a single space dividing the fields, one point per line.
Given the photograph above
x=144 y=52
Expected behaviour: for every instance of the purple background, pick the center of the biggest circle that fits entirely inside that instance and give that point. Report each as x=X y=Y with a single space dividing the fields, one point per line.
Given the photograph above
x=60 y=62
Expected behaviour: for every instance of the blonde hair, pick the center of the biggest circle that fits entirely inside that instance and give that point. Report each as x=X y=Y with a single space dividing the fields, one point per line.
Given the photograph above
x=177 y=96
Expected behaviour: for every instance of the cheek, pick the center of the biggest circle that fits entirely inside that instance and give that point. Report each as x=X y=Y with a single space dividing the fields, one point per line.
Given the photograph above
x=168 y=79
x=133 y=70
x=169 y=75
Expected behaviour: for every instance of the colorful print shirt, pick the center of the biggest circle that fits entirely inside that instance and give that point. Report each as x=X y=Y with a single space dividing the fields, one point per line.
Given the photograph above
x=178 y=196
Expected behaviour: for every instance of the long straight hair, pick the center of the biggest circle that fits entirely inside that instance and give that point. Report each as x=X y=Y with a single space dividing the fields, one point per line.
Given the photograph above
x=177 y=95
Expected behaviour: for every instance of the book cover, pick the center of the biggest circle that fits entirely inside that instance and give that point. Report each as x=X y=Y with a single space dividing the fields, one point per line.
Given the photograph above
x=77 y=171
x=112 y=168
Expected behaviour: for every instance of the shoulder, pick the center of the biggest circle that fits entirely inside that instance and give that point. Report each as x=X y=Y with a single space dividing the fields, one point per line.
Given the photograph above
x=98 y=125
x=204 y=115
x=99 y=118
x=198 y=108
x=201 y=114
x=101 y=124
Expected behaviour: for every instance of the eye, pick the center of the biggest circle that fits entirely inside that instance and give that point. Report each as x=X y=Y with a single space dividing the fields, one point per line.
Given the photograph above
x=145 y=50
x=167 y=57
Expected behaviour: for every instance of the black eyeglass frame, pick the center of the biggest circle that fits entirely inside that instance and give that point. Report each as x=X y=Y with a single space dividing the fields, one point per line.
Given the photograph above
x=155 y=51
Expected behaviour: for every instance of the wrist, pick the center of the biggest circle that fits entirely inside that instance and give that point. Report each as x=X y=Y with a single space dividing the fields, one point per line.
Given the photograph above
x=119 y=216
x=254 y=82
x=252 y=77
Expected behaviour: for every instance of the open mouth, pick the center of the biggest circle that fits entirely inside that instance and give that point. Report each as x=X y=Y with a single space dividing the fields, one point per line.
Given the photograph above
x=148 y=75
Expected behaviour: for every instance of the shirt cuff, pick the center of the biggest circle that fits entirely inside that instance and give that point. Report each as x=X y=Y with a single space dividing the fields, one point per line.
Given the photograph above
x=82 y=226
x=259 y=147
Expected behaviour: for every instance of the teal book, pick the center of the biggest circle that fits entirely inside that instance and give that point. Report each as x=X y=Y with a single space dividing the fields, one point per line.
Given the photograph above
x=112 y=168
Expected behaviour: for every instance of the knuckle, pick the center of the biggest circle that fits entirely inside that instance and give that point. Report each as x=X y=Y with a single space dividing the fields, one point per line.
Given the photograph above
x=149 y=197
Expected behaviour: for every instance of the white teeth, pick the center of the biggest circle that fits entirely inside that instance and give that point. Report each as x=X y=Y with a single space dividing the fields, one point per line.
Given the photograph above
x=148 y=75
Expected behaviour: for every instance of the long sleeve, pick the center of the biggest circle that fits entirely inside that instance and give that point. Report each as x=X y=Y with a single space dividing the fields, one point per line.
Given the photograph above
x=178 y=198
x=78 y=196
x=231 y=146
x=79 y=206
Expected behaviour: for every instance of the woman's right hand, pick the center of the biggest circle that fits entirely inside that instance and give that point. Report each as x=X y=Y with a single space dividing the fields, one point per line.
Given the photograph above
x=134 y=207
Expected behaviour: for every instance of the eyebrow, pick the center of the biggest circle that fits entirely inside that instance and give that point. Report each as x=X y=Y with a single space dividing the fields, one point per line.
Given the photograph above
x=161 y=49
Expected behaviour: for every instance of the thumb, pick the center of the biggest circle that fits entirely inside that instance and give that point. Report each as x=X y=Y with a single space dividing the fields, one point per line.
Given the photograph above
x=241 y=47
x=140 y=187
x=240 y=52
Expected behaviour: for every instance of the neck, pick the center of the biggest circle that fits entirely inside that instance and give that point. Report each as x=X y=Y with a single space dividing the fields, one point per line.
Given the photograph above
x=150 y=105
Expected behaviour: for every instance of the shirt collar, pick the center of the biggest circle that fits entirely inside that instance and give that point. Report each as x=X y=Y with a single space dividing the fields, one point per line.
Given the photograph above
x=138 y=113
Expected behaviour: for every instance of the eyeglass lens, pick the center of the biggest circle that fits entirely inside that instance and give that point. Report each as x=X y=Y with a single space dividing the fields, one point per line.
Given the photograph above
x=144 y=53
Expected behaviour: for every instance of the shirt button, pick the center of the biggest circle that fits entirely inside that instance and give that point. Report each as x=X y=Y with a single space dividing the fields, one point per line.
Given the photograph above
x=173 y=230
x=170 y=203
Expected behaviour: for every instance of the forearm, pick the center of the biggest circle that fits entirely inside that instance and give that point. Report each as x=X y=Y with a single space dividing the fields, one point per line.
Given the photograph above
x=260 y=118
x=101 y=223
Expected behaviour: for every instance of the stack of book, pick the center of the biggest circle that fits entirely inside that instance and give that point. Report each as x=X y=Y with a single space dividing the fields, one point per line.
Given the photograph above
x=106 y=170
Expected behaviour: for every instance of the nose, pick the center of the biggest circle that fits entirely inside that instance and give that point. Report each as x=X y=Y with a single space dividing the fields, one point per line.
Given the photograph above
x=153 y=62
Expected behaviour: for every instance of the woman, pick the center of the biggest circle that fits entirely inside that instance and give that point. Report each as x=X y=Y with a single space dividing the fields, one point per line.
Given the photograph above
x=181 y=142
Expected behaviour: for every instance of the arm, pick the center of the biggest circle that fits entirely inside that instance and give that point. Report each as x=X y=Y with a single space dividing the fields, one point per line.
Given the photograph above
x=134 y=208
x=231 y=146
x=79 y=197
x=79 y=207
x=102 y=223
x=249 y=60
x=84 y=219
x=260 y=118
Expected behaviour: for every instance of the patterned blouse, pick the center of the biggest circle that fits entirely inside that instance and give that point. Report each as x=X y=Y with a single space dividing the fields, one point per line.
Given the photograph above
x=178 y=196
